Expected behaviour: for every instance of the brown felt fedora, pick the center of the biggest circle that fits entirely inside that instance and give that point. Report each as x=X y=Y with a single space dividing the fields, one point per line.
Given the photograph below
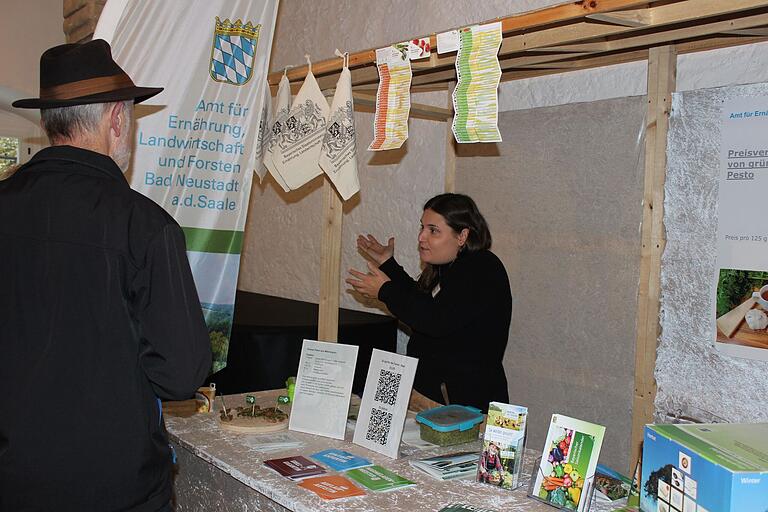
x=78 y=74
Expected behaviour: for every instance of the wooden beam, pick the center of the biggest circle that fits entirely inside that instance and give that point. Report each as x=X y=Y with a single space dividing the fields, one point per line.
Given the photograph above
x=591 y=32
x=760 y=32
x=662 y=70
x=528 y=20
x=657 y=17
x=330 y=265
x=690 y=46
x=418 y=110
x=637 y=18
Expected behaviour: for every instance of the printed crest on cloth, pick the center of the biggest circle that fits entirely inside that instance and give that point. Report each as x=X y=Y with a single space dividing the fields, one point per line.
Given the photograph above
x=340 y=131
x=234 y=46
x=302 y=123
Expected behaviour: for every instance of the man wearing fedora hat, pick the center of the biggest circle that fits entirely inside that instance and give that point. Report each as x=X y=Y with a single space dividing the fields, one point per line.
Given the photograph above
x=99 y=317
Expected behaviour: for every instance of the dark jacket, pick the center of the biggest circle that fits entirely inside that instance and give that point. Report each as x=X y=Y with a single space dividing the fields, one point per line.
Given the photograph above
x=99 y=316
x=460 y=334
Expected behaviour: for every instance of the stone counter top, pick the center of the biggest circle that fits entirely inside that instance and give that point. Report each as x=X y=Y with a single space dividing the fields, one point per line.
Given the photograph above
x=207 y=446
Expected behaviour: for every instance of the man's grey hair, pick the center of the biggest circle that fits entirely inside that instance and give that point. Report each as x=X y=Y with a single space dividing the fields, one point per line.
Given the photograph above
x=63 y=123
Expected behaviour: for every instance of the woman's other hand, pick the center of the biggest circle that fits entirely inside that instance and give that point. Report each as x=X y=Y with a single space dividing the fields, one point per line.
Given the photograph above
x=373 y=249
x=370 y=283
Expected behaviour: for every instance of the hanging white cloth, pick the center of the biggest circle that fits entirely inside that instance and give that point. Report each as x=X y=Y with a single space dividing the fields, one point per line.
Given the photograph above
x=272 y=158
x=301 y=139
x=338 y=157
x=263 y=135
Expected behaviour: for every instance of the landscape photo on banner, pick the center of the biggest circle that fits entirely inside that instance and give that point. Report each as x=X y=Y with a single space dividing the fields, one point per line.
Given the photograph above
x=196 y=144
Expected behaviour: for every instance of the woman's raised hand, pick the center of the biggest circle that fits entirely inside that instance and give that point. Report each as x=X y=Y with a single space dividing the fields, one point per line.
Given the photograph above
x=368 y=284
x=374 y=249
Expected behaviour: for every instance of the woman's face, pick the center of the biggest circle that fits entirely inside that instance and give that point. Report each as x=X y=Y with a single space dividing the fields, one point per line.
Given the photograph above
x=438 y=242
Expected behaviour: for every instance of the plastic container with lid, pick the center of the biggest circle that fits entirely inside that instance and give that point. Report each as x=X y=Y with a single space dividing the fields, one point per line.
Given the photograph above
x=450 y=424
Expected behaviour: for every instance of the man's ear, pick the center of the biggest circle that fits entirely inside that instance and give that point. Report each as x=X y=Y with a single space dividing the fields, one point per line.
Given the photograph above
x=117 y=118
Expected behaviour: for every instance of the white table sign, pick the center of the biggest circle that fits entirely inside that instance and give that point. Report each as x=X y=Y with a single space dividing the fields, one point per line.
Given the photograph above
x=385 y=402
x=323 y=388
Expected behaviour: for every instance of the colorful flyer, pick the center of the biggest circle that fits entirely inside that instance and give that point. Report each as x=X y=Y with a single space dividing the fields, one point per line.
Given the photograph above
x=378 y=479
x=417 y=48
x=475 y=98
x=393 y=99
x=384 y=404
x=448 y=466
x=503 y=444
x=295 y=468
x=569 y=460
x=331 y=487
x=741 y=298
x=340 y=460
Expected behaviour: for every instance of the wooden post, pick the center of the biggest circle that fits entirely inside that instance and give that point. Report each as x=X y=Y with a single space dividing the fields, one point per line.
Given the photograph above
x=330 y=265
x=450 y=146
x=662 y=70
x=80 y=17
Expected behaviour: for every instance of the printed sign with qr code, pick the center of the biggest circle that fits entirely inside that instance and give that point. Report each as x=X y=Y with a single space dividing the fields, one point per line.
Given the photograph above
x=384 y=403
x=378 y=426
x=387 y=387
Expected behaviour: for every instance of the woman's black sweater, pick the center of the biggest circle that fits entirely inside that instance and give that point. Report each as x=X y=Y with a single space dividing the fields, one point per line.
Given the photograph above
x=460 y=334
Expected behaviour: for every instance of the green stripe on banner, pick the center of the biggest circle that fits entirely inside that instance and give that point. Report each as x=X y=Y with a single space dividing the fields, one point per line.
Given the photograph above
x=214 y=240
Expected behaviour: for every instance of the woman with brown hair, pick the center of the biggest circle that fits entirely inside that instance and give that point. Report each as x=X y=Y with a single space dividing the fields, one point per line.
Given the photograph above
x=459 y=310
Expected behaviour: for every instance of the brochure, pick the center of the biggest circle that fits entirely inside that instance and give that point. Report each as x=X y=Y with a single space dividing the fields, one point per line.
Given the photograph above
x=268 y=443
x=340 y=460
x=569 y=458
x=448 y=467
x=295 y=468
x=461 y=507
x=331 y=487
x=503 y=445
x=323 y=388
x=384 y=405
x=611 y=485
x=378 y=479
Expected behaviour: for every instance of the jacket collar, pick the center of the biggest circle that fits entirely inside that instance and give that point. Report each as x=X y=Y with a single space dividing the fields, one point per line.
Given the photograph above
x=97 y=162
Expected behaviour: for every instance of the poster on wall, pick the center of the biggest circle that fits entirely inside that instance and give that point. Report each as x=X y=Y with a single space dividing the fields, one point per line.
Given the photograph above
x=741 y=298
x=196 y=142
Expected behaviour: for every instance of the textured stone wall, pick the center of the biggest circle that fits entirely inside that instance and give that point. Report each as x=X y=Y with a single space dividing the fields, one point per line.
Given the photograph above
x=693 y=378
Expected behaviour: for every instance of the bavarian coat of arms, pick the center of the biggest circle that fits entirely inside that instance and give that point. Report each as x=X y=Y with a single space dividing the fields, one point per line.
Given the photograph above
x=233 y=50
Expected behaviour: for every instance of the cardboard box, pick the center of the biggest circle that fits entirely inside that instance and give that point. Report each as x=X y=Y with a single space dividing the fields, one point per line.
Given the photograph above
x=705 y=468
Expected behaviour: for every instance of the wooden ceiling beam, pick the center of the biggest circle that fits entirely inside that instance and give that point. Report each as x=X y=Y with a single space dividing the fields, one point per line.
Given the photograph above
x=548 y=15
x=556 y=37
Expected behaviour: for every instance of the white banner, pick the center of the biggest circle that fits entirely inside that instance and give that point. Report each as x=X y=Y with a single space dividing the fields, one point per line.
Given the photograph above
x=742 y=233
x=196 y=142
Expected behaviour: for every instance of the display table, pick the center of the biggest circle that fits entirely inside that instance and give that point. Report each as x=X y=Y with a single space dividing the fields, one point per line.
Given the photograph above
x=220 y=471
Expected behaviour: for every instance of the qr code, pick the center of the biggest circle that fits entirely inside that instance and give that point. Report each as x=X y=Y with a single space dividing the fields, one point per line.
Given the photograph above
x=387 y=387
x=378 y=426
